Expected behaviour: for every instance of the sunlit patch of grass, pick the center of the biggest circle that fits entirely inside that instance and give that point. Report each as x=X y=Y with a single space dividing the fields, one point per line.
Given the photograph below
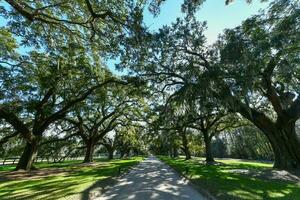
x=245 y=164
x=224 y=184
x=7 y=167
x=76 y=181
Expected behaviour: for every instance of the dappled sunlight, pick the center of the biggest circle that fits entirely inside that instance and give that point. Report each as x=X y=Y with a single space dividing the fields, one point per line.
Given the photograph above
x=242 y=194
x=151 y=179
x=75 y=181
x=224 y=183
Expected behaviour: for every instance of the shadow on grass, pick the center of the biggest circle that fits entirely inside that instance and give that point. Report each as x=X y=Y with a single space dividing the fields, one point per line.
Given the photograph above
x=225 y=185
x=80 y=180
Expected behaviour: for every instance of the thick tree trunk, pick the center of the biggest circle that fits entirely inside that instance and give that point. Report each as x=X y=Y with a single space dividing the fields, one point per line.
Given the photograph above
x=208 y=153
x=286 y=147
x=127 y=153
x=111 y=154
x=28 y=156
x=124 y=152
x=110 y=151
x=121 y=154
x=187 y=153
x=174 y=152
x=185 y=147
x=281 y=134
x=90 y=147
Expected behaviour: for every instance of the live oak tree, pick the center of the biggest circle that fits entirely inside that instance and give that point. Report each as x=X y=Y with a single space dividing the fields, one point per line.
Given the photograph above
x=130 y=140
x=58 y=64
x=253 y=69
x=201 y=111
x=42 y=88
x=47 y=24
x=101 y=114
x=173 y=123
x=127 y=136
x=265 y=49
x=111 y=144
x=207 y=119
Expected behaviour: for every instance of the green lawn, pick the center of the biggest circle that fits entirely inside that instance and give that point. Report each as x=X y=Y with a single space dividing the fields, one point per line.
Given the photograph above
x=222 y=183
x=76 y=181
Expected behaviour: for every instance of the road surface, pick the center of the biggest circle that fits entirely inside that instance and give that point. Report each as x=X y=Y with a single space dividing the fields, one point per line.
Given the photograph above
x=151 y=179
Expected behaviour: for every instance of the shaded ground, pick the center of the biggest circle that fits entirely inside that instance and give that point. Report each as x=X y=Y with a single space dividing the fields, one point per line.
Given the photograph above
x=34 y=174
x=151 y=179
x=256 y=169
x=269 y=174
x=68 y=180
x=235 y=179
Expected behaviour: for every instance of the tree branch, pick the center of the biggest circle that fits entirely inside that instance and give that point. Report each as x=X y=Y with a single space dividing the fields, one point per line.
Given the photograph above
x=6 y=138
x=18 y=125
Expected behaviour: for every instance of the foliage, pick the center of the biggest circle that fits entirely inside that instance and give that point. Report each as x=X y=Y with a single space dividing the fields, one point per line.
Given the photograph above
x=245 y=71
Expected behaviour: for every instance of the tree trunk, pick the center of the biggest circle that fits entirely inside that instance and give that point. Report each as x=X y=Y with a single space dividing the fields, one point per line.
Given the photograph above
x=283 y=139
x=127 y=153
x=281 y=134
x=187 y=153
x=286 y=147
x=185 y=146
x=110 y=151
x=174 y=152
x=90 y=147
x=28 y=156
x=111 y=154
x=208 y=153
x=122 y=154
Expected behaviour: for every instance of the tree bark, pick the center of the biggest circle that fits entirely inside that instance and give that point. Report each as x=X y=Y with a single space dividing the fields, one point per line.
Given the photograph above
x=110 y=150
x=174 y=152
x=208 y=153
x=111 y=154
x=122 y=153
x=282 y=137
x=90 y=147
x=28 y=156
x=286 y=147
x=185 y=146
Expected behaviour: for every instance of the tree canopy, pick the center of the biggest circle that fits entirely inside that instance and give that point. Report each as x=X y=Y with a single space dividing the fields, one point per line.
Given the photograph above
x=182 y=95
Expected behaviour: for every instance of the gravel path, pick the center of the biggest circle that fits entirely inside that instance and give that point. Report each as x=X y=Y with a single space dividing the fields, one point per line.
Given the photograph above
x=151 y=179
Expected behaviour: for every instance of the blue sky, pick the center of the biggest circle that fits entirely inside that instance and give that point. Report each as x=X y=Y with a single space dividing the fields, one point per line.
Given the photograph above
x=217 y=15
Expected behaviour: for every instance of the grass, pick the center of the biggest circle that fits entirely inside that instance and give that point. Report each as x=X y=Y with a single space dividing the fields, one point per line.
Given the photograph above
x=222 y=183
x=42 y=165
x=78 y=181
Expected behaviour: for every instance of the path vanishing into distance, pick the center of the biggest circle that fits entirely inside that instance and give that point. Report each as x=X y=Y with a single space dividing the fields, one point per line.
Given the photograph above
x=151 y=179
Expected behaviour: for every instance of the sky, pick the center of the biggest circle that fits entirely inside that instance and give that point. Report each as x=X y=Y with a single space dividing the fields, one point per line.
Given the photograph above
x=217 y=15
x=215 y=12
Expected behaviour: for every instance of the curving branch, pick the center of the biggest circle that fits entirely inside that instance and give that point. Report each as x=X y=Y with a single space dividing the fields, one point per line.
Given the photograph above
x=271 y=93
x=6 y=138
x=16 y=123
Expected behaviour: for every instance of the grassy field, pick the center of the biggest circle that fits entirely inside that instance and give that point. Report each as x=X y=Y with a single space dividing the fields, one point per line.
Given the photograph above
x=67 y=180
x=222 y=182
